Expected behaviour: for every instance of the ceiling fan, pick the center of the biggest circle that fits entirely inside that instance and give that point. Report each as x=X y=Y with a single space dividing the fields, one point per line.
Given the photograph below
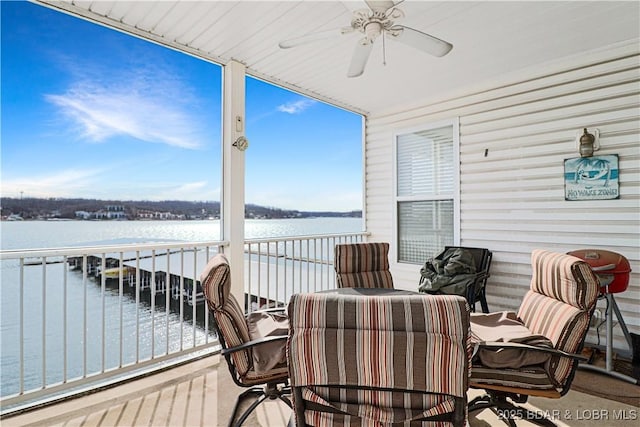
x=378 y=20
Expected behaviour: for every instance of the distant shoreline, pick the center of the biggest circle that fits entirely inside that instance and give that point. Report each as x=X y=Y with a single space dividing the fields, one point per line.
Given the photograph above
x=19 y=209
x=3 y=219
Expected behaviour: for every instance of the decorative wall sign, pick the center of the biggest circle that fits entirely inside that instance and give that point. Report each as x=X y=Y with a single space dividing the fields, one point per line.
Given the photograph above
x=591 y=178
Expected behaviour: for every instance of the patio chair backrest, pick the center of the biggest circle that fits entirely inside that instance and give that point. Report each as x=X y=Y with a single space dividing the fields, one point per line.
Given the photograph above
x=378 y=360
x=558 y=306
x=362 y=265
x=230 y=320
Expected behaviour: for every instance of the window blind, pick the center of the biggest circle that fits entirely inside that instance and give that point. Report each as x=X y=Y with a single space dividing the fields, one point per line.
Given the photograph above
x=425 y=163
x=425 y=193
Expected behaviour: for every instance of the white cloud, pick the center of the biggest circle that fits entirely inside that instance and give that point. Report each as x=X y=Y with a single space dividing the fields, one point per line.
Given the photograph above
x=296 y=107
x=287 y=198
x=198 y=190
x=67 y=183
x=129 y=104
x=82 y=183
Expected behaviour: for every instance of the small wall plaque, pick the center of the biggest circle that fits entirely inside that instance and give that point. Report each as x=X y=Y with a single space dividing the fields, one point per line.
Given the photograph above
x=591 y=178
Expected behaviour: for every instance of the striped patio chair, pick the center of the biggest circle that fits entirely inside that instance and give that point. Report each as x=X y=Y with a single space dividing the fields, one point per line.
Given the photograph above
x=362 y=265
x=536 y=351
x=253 y=345
x=378 y=360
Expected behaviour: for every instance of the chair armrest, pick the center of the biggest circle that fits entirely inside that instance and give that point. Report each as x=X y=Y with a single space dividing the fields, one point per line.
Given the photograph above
x=553 y=351
x=269 y=310
x=483 y=275
x=249 y=344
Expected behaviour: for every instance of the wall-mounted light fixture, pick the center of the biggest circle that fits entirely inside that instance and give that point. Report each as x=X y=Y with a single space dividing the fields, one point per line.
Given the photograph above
x=241 y=143
x=588 y=142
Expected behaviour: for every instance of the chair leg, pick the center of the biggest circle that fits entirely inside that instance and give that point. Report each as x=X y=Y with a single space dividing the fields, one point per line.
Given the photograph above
x=254 y=391
x=270 y=391
x=483 y=401
x=286 y=400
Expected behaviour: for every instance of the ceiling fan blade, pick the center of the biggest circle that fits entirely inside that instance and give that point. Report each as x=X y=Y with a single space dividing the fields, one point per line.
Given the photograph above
x=360 y=57
x=382 y=6
x=310 y=38
x=419 y=40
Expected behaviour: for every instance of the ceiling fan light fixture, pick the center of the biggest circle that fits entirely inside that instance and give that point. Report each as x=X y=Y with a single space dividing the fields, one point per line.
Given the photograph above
x=378 y=19
x=372 y=30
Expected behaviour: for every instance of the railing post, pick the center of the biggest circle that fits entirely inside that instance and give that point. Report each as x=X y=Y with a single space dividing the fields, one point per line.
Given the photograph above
x=233 y=128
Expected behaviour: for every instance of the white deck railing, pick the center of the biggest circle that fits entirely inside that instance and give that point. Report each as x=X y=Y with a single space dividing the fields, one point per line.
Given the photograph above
x=277 y=268
x=76 y=318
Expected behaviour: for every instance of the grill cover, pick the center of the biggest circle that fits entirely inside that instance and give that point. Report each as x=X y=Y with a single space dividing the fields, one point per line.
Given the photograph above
x=611 y=268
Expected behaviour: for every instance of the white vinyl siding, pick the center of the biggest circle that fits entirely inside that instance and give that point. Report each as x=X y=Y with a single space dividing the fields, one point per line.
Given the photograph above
x=426 y=191
x=514 y=137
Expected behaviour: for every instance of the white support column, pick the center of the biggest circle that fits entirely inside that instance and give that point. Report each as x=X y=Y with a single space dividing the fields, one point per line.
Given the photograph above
x=233 y=123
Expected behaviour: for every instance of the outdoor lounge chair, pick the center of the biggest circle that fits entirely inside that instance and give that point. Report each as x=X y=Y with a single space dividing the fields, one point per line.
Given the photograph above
x=254 y=346
x=536 y=352
x=378 y=360
x=362 y=265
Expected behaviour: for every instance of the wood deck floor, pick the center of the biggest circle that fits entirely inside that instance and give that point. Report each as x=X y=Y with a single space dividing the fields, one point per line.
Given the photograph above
x=202 y=393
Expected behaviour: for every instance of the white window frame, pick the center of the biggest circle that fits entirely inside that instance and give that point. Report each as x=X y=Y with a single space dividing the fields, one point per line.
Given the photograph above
x=455 y=123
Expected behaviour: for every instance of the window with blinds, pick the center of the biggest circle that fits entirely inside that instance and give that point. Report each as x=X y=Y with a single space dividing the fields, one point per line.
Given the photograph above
x=426 y=192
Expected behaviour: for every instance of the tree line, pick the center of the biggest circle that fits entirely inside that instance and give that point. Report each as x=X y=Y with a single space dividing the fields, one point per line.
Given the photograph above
x=44 y=208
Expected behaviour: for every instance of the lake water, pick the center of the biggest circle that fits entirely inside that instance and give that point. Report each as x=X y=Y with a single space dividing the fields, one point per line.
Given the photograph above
x=135 y=346
x=49 y=234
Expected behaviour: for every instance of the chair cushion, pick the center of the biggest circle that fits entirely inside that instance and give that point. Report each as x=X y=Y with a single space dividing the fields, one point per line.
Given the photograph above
x=355 y=340
x=563 y=292
x=363 y=265
x=505 y=327
x=378 y=360
x=557 y=307
x=565 y=278
x=215 y=280
x=230 y=319
x=533 y=377
x=565 y=325
x=366 y=279
x=358 y=407
x=269 y=355
x=359 y=257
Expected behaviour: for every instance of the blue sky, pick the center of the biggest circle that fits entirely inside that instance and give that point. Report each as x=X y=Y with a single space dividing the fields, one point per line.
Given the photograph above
x=90 y=112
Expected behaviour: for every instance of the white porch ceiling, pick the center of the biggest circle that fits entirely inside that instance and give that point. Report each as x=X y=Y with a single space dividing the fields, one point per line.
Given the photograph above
x=490 y=39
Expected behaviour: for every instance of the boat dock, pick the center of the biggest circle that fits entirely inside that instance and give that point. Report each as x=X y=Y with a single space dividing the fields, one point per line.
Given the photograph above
x=177 y=273
x=153 y=273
